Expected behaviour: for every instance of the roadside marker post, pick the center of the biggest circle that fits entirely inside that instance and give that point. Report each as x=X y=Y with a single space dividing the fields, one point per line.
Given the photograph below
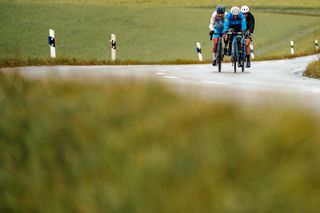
x=251 y=51
x=316 y=45
x=292 y=47
x=113 y=44
x=52 y=43
x=198 y=49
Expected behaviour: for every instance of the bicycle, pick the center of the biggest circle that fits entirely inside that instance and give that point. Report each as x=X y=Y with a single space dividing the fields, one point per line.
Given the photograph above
x=238 y=54
x=219 y=53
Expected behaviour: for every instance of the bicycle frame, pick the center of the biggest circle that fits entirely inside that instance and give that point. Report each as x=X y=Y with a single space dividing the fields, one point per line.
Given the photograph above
x=235 y=57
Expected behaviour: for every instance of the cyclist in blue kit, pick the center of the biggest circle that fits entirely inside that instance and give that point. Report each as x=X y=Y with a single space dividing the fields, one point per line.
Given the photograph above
x=234 y=21
x=216 y=28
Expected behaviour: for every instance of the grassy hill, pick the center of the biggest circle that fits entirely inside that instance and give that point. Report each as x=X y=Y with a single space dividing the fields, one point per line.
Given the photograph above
x=147 y=31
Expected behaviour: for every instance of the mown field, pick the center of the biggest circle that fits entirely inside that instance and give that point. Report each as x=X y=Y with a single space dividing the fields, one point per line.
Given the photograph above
x=263 y=3
x=146 y=30
x=115 y=146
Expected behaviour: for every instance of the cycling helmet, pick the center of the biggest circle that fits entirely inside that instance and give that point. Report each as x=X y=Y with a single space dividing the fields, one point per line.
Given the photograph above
x=220 y=10
x=235 y=10
x=245 y=9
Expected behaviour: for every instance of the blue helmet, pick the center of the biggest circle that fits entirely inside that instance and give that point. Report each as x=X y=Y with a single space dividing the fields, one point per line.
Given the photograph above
x=220 y=9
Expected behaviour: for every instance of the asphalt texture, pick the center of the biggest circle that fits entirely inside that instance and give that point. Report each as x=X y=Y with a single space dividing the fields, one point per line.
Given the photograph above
x=266 y=81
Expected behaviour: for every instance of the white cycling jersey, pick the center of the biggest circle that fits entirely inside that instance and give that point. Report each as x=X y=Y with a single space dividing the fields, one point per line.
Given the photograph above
x=215 y=21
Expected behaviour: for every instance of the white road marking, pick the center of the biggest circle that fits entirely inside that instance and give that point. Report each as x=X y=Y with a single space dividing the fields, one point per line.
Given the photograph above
x=163 y=70
x=160 y=73
x=214 y=82
x=298 y=69
x=170 y=77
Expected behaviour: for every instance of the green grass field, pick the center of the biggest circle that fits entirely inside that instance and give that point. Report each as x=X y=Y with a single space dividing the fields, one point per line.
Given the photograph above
x=114 y=146
x=260 y=3
x=150 y=32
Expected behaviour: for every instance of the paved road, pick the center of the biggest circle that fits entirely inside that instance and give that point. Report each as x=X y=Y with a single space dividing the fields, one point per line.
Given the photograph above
x=280 y=78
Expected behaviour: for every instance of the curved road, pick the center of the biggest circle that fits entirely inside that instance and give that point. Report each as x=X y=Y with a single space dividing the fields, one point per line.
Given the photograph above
x=280 y=79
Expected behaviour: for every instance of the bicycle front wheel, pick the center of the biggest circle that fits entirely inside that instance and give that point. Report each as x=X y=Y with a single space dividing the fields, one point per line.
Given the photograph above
x=234 y=56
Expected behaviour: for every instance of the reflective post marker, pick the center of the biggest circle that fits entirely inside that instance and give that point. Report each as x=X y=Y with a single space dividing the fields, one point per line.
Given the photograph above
x=113 y=44
x=199 y=52
x=251 y=51
x=316 y=45
x=292 y=47
x=52 y=43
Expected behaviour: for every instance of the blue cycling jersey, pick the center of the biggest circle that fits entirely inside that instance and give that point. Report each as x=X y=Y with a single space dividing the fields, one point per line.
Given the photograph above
x=230 y=21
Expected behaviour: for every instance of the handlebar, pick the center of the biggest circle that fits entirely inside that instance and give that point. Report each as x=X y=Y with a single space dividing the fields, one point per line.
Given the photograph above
x=234 y=33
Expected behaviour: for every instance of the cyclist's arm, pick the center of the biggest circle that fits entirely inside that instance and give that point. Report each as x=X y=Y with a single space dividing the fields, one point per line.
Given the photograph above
x=212 y=21
x=243 y=22
x=226 y=24
x=252 y=23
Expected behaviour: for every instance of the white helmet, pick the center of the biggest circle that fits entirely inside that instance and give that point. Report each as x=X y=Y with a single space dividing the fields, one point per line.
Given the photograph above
x=245 y=9
x=235 y=10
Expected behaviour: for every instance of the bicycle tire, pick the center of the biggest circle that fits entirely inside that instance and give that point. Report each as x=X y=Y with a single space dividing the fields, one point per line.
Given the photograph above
x=235 y=59
x=242 y=63
x=219 y=58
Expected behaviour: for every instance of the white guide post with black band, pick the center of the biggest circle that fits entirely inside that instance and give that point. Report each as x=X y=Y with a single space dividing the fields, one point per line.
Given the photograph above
x=292 y=47
x=113 y=44
x=199 y=52
x=316 y=45
x=251 y=51
x=52 y=43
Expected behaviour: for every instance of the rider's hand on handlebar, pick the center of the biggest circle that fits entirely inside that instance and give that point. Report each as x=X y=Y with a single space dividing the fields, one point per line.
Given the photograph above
x=211 y=33
x=243 y=32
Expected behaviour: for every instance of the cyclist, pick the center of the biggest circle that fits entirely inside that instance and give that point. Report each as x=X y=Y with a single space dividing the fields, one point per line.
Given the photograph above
x=216 y=27
x=234 y=22
x=250 y=28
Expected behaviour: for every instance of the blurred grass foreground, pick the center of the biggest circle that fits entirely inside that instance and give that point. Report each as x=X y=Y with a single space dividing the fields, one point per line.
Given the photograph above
x=113 y=146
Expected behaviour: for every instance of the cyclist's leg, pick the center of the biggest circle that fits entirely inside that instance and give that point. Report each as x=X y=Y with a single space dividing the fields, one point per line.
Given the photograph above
x=230 y=39
x=225 y=41
x=237 y=28
x=214 y=55
x=215 y=38
x=248 y=52
x=248 y=41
